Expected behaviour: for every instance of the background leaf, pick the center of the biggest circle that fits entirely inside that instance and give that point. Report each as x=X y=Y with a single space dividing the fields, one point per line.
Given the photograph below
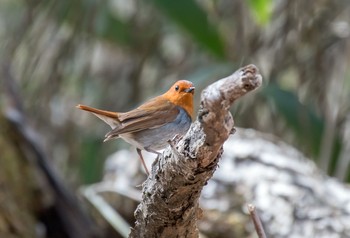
x=188 y=15
x=109 y=27
x=300 y=118
x=261 y=10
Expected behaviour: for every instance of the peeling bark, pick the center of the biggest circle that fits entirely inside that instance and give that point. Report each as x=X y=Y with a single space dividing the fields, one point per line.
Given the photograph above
x=169 y=206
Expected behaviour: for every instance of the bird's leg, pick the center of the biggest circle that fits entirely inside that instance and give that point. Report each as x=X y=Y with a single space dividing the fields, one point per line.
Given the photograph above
x=156 y=159
x=152 y=151
x=142 y=161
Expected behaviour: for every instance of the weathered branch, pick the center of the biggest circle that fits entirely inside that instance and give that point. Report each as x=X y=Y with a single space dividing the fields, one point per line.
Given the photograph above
x=169 y=206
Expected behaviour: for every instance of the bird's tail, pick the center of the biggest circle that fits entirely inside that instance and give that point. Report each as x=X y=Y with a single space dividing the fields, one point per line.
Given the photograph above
x=111 y=118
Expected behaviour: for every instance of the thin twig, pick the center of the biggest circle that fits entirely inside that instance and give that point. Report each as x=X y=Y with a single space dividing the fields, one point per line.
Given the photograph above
x=256 y=220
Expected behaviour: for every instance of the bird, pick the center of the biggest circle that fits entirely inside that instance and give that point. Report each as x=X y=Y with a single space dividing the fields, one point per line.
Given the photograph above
x=152 y=125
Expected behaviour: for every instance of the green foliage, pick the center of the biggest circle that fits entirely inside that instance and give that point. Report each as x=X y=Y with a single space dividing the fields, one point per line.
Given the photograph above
x=92 y=17
x=109 y=27
x=302 y=119
x=91 y=163
x=304 y=122
x=261 y=10
x=188 y=15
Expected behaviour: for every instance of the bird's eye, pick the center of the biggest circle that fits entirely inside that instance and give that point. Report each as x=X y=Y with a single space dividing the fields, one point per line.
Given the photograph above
x=177 y=88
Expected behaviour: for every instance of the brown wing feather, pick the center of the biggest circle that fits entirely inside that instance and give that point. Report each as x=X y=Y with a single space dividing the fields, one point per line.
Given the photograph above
x=152 y=114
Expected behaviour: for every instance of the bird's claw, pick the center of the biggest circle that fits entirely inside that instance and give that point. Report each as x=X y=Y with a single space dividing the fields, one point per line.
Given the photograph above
x=174 y=140
x=233 y=131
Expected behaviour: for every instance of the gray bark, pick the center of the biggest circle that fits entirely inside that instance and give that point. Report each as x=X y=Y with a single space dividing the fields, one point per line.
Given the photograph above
x=169 y=206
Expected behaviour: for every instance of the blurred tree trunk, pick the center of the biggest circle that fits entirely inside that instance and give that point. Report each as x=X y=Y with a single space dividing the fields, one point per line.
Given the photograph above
x=18 y=190
x=34 y=201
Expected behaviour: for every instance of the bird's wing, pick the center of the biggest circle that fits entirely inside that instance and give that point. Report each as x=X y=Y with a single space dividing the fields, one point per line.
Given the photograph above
x=152 y=114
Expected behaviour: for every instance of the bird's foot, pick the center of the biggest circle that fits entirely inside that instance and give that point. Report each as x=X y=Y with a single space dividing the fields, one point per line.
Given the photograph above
x=173 y=142
x=233 y=131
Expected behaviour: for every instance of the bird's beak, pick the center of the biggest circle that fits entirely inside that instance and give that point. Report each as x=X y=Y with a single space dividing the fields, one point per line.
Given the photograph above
x=190 y=90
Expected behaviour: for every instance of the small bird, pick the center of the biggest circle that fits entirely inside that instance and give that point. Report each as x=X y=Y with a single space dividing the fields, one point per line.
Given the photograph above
x=155 y=123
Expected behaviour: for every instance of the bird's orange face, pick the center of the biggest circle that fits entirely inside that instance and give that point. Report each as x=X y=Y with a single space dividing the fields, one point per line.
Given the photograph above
x=181 y=94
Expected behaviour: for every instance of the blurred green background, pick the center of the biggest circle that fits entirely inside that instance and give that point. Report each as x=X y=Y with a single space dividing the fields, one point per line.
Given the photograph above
x=114 y=54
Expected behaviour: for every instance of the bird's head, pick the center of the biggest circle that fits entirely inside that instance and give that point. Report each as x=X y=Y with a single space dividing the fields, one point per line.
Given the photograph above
x=181 y=94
